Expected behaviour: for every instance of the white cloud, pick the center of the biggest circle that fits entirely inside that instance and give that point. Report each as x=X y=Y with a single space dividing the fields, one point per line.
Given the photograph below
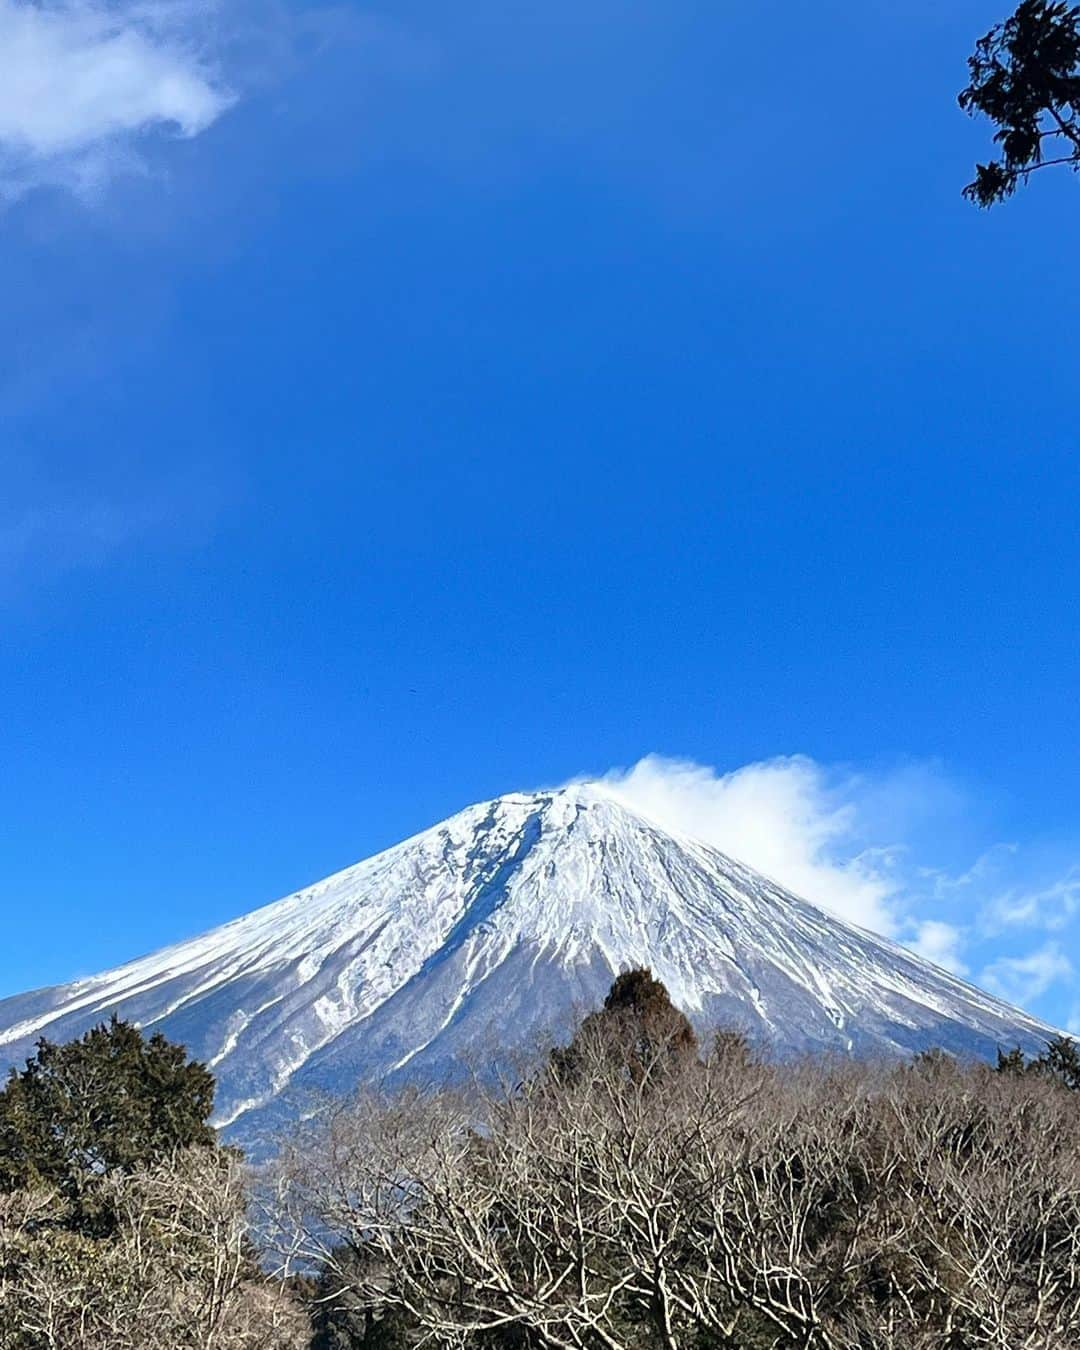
x=81 y=82
x=890 y=850
x=1049 y=907
x=789 y=818
x=939 y=942
x=1020 y=979
x=856 y=843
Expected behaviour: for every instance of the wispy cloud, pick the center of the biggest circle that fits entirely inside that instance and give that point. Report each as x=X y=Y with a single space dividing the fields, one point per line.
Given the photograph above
x=1050 y=907
x=49 y=530
x=48 y=536
x=1020 y=979
x=941 y=943
x=83 y=83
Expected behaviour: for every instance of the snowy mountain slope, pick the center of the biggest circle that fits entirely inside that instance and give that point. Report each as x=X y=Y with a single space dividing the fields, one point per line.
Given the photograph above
x=496 y=928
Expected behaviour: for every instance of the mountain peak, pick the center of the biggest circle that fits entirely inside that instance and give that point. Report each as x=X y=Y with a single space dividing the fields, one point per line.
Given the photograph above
x=496 y=929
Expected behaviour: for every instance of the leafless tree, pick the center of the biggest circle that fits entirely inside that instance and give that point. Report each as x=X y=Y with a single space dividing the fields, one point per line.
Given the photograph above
x=672 y=1200
x=177 y=1274
x=986 y=1175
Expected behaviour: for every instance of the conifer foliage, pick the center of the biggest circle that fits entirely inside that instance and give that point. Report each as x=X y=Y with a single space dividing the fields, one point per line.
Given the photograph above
x=123 y=1224
x=1059 y=1062
x=108 y=1102
x=638 y=1029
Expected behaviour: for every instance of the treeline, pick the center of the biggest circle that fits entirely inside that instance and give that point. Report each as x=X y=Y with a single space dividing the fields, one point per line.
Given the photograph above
x=631 y=1190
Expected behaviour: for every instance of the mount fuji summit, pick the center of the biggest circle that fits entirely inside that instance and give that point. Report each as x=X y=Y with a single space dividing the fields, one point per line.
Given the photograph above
x=496 y=930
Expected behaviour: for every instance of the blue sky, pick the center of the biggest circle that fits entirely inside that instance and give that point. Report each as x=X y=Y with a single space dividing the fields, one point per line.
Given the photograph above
x=406 y=404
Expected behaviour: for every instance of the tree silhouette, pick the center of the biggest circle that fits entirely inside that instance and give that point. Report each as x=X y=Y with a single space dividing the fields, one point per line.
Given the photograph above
x=1025 y=77
x=1060 y=1061
x=639 y=1031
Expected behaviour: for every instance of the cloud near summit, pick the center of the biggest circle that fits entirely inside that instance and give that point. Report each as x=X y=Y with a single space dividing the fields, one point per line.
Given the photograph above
x=886 y=849
x=789 y=817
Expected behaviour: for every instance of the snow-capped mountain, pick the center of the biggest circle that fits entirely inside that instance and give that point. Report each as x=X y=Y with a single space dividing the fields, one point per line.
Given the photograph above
x=496 y=929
